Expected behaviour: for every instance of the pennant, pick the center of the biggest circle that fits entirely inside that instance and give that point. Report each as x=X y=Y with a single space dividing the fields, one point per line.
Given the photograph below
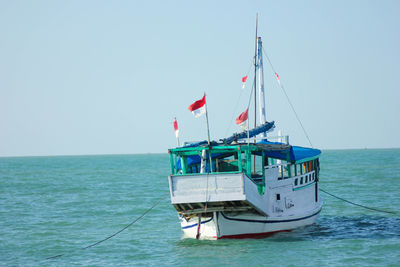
x=176 y=128
x=244 y=79
x=198 y=108
x=277 y=78
x=243 y=119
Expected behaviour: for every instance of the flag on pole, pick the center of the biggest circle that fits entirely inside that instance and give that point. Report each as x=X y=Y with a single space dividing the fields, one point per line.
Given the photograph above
x=277 y=78
x=176 y=128
x=244 y=79
x=243 y=119
x=198 y=108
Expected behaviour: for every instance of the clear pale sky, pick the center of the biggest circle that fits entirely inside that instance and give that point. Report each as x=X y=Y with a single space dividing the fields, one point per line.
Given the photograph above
x=108 y=77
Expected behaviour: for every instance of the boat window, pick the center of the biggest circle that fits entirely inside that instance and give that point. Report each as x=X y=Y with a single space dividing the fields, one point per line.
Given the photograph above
x=295 y=181
x=278 y=196
x=259 y=165
x=316 y=164
x=257 y=168
x=266 y=161
x=284 y=170
x=271 y=161
x=228 y=163
x=301 y=180
x=193 y=169
x=292 y=172
x=306 y=178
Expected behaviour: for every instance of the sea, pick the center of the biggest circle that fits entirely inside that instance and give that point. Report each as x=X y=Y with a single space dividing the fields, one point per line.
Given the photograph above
x=64 y=205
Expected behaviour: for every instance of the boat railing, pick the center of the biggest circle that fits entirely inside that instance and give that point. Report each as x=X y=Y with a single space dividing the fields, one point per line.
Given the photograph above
x=276 y=165
x=280 y=172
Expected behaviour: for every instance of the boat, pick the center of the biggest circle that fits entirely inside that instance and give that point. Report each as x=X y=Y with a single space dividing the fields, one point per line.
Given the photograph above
x=246 y=185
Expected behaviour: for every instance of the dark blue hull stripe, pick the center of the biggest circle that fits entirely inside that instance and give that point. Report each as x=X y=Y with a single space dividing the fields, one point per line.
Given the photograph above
x=193 y=225
x=270 y=221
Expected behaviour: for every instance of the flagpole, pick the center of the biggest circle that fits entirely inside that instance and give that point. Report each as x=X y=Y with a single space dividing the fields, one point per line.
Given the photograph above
x=208 y=128
x=178 y=141
x=248 y=133
x=176 y=129
x=208 y=133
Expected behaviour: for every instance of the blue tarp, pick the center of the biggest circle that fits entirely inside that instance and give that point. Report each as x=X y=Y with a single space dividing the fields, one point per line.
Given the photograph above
x=190 y=161
x=193 y=160
x=266 y=127
x=296 y=152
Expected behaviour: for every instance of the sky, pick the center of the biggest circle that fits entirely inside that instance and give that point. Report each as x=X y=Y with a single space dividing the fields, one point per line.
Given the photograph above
x=109 y=77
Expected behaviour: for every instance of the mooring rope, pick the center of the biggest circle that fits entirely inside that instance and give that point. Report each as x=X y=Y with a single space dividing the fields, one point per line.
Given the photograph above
x=116 y=233
x=359 y=205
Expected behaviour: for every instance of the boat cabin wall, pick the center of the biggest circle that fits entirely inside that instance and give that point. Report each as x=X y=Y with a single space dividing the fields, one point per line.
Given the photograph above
x=292 y=187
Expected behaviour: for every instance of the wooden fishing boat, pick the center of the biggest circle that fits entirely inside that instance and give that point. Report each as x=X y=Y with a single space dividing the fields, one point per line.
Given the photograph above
x=240 y=188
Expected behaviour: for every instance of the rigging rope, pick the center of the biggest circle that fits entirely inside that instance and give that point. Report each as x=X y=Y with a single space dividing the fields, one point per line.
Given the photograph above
x=116 y=233
x=288 y=99
x=308 y=138
x=362 y=206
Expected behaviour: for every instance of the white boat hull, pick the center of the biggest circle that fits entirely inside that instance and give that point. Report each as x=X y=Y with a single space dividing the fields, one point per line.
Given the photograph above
x=222 y=225
x=285 y=205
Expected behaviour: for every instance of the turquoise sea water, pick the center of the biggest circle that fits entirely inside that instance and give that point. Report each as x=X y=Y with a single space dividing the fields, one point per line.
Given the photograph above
x=58 y=205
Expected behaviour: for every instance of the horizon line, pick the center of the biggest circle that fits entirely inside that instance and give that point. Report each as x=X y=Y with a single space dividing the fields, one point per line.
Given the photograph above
x=160 y=153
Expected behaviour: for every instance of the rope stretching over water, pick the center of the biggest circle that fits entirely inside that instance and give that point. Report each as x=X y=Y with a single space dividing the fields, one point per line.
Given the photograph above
x=359 y=205
x=116 y=233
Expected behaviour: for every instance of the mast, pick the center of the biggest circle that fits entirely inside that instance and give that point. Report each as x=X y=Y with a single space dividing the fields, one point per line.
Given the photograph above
x=255 y=90
x=261 y=84
x=255 y=77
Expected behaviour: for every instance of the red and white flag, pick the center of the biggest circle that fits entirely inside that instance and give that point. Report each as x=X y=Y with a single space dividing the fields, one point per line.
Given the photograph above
x=198 y=108
x=176 y=128
x=277 y=78
x=244 y=79
x=243 y=119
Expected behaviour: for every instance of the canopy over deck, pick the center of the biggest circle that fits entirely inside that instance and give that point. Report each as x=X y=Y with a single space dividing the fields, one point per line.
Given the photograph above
x=270 y=149
x=296 y=153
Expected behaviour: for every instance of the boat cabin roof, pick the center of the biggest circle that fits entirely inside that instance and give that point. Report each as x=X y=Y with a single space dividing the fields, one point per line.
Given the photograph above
x=275 y=150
